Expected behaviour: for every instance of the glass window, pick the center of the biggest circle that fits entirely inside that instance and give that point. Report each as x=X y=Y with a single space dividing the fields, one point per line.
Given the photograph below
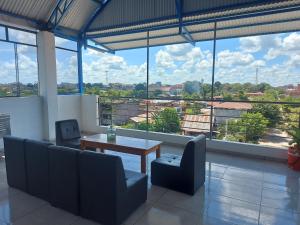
x=21 y=36
x=28 y=70
x=2 y=33
x=258 y=68
x=64 y=43
x=181 y=71
x=67 y=71
x=8 y=79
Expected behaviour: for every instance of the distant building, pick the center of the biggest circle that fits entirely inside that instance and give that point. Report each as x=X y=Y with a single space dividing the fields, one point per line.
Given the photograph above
x=254 y=94
x=118 y=112
x=194 y=125
x=228 y=110
x=176 y=89
x=294 y=91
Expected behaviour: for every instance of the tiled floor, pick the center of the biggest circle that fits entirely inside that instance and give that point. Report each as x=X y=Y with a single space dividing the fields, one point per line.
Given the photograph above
x=237 y=191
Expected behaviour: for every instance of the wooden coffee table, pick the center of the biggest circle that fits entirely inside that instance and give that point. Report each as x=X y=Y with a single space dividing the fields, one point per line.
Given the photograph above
x=135 y=146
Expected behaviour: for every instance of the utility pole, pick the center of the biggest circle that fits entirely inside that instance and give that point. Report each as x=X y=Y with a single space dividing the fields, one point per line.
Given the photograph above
x=256 y=76
x=106 y=74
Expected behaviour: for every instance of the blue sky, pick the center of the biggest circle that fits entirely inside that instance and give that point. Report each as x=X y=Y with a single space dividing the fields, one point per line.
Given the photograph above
x=276 y=57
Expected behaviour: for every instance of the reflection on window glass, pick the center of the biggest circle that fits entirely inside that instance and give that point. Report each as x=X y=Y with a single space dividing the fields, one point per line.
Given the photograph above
x=8 y=85
x=67 y=71
x=2 y=33
x=28 y=70
x=64 y=43
x=22 y=36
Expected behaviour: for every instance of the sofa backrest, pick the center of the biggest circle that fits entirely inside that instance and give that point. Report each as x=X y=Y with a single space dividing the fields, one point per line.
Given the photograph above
x=66 y=130
x=102 y=181
x=15 y=162
x=194 y=158
x=37 y=168
x=64 y=178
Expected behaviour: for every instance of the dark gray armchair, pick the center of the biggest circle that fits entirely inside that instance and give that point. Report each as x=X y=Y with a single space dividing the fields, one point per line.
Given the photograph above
x=108 y=193
x=67 y=133
x=185 y=174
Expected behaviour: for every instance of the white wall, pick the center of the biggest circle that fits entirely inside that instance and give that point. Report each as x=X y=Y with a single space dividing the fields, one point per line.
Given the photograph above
x=69 y=107
x=25 y=116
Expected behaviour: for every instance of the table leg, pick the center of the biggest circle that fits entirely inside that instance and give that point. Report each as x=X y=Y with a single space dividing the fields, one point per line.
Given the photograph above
x=102 y=150
x=143 y=164
x=158 y=152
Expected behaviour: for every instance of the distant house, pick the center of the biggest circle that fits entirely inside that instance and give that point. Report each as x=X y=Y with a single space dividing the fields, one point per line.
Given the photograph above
x=228 y=110
x=294 y=91
x=254 y=94
x=118 y=112
x=194 y=125
x=176 y=89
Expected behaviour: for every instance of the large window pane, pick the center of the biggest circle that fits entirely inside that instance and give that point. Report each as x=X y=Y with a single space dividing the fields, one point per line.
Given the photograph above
x=64 y=43
x=181 y=71
x=263 y=69
x=8 y=80
x=67 y=71
x=2 y=33
x=28 y=70
x=22 y=36
x=120 y=75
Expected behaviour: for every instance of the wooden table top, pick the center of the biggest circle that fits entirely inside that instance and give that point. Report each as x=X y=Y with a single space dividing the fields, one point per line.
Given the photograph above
x=123 y=141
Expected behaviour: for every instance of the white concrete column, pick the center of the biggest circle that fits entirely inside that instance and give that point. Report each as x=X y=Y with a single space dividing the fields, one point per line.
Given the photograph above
x=48 y=82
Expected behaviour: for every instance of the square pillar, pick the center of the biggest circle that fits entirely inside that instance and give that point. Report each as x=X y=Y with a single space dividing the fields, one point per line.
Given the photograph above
x=48 y=82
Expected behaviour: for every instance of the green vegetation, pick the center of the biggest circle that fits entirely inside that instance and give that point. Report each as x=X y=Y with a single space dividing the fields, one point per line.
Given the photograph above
x=166 y=121
x=269 y=111
x=249 y=128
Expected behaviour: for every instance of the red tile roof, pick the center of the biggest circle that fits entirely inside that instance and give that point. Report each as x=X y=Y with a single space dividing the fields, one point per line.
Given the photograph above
x=231 y=105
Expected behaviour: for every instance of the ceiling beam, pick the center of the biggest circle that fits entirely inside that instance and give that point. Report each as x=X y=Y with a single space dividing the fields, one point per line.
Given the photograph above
x=102 y=4
x=58 y=13
x=182 y=29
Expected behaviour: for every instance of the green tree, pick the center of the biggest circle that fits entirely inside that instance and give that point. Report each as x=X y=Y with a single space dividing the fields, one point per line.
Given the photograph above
x=166 y=121
x=269 y=111
x=249 y=128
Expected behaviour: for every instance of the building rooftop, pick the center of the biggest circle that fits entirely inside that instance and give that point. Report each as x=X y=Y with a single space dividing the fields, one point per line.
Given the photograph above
x=231 y=105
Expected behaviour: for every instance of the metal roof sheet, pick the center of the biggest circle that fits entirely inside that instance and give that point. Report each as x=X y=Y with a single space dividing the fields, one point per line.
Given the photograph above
x=35 y=9
x=79 y=14
x=127 y=21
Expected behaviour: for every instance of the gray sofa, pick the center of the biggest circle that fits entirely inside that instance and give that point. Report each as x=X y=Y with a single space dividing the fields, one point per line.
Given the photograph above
x=114 y=193
x=185 y=174
x=86 y=183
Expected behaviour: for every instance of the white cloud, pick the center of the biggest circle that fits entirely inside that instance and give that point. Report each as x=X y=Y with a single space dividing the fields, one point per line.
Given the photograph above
x=229 y=58
x=250 y=44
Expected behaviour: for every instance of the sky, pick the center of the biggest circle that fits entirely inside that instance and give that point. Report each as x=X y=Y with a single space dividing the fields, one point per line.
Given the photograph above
x=275 y=58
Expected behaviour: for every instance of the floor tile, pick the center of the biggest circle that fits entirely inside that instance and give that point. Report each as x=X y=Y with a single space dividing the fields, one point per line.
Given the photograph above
x=269 y=216
x=47 y=215
x=233 y=211
x=18 y=205
x=155 y=193
x=281 y=200
x=167 y=215
x=233 y=189
x=195 y=204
